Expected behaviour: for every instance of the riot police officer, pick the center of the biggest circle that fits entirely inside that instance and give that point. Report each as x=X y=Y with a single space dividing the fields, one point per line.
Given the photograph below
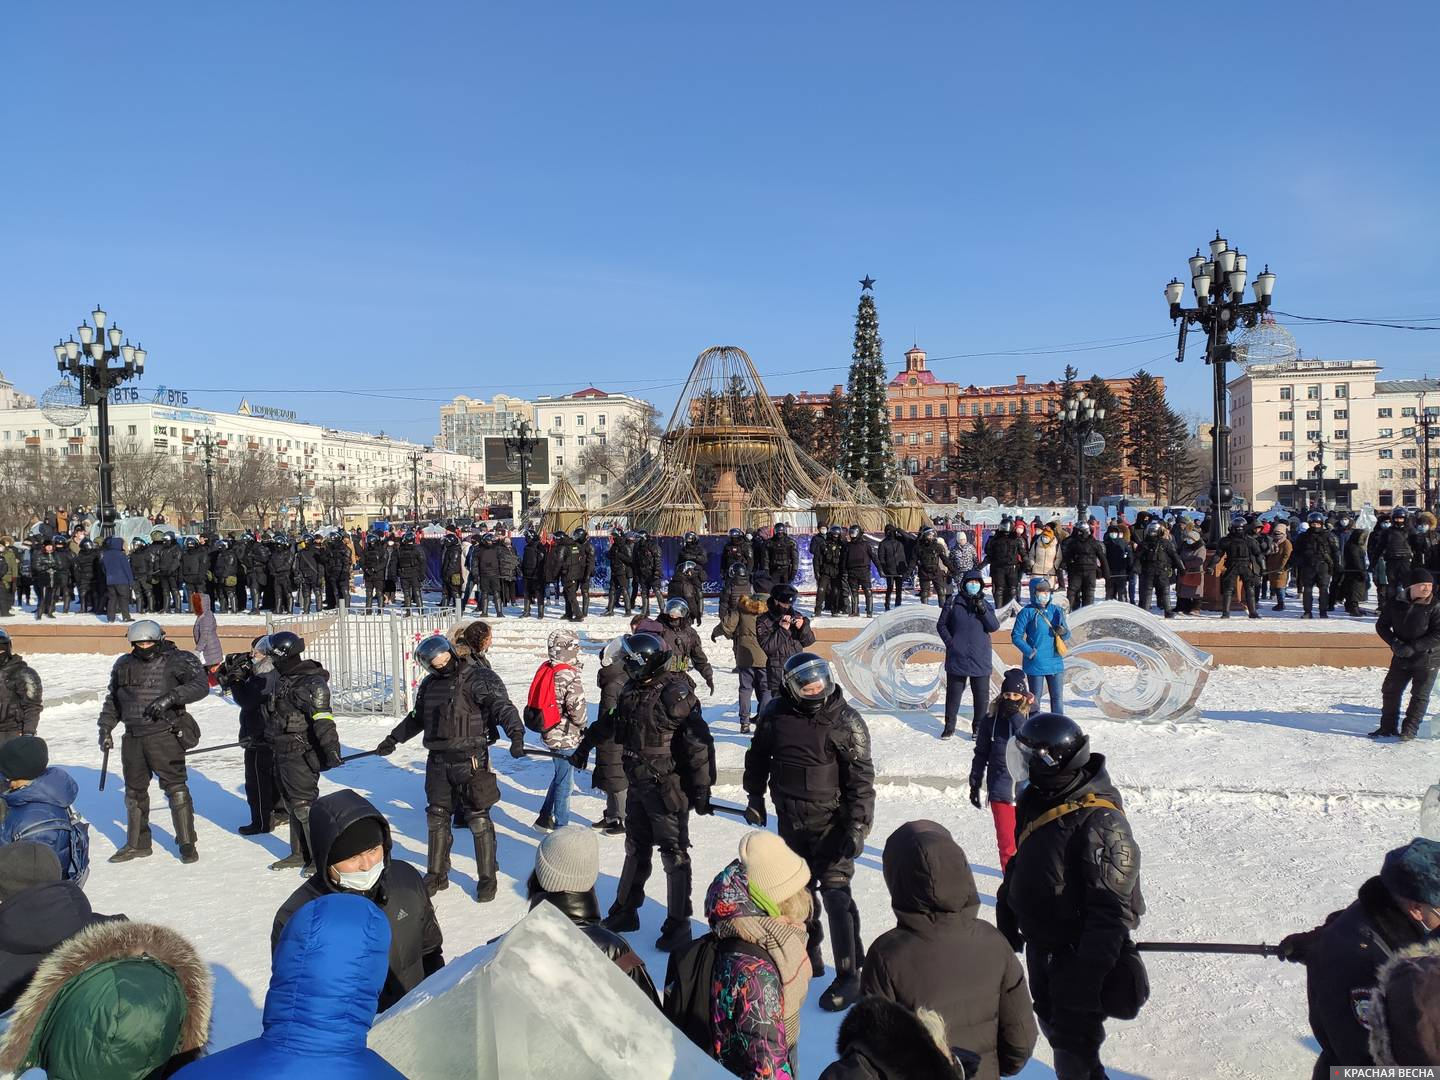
x=1243 y=561
x=21 y=694
x=458 y=704
x=619 y=556
x=1316 y=556
x=532 y=569
x=410 y=565
x=149 y=689
x=301 y=732
x=670 y=767
x=811 y=750
x=782 y=557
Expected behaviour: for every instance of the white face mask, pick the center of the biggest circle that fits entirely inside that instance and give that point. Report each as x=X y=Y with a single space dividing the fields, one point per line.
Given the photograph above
x=361 y=880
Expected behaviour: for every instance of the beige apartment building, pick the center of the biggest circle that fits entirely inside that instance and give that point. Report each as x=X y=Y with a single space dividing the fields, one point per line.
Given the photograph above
x=1330 y=433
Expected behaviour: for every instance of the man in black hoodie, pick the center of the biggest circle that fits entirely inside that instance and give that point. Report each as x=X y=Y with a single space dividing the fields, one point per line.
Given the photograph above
x=149 y=689
x=1410 y=625
x=1071 y=894
x=352 y=855
x=937 y=933
x=38 y=911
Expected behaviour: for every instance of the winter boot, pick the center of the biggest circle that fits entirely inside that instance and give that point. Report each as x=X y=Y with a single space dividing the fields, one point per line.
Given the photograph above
x=299 y=842
x=545 y=823
x=675 y=931
x=815 y=930
x=744 y=725
x=182 y=815
x=624 y=914
x=844 y=941
x=437 y=859
x=137 y=833
x=485 y=869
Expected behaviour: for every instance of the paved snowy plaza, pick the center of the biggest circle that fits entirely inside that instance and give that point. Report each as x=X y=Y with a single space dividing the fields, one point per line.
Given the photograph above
x=1254 y=822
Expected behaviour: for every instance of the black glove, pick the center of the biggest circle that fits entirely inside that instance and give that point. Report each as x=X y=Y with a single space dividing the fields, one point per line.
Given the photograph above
x=715 y=634
x=1296 y=947
x=1402 y=650
x=154 y=711
x=332 y=761
x=580 y=760
x=851 y=845
x=710 y=684
x=975 y=796
x=517 y=746
x=700 y=803
x=106 y=741
x=386 y=747
x=755 y=813
x=492 y=735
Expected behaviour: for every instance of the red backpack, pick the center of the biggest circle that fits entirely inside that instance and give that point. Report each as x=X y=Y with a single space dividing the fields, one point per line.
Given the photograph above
x=542 y=711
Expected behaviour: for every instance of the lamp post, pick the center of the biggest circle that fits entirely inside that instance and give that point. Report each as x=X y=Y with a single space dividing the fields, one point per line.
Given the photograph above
x=520 y=445
x=1081 y=413
x=92 y=361
x=1219 y=284
x=212 y=523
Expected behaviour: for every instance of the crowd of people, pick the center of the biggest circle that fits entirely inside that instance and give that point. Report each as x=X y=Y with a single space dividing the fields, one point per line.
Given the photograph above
x=1069 y=901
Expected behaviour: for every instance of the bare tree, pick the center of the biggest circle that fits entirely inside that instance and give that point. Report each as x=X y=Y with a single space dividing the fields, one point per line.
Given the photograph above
x=143 y=476
x=385 y=494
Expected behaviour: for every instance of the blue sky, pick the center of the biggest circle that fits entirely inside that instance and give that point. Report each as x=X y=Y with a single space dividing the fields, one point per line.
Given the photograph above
x=413 y=200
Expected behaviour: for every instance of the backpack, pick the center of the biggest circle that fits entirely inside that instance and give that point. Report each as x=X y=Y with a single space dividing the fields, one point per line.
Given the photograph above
x=689 y=982
x=77 y=833
x=542 y=711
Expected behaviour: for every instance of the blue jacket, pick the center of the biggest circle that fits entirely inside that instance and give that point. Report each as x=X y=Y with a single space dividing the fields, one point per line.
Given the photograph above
x=325 y=980
x=116 y=563
x=46 y=798
x=1033 y=637
x=965 y=626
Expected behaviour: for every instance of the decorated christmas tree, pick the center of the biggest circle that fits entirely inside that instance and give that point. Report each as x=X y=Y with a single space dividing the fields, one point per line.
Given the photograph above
x=866 y=451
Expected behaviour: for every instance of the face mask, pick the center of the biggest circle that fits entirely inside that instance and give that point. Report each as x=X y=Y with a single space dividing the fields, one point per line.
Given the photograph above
x=972 y=588
x=1044 y=539
x=1422 y=528
x=1042 y=598
x=1384 y=524
x=1113 y=535
x=362 y=880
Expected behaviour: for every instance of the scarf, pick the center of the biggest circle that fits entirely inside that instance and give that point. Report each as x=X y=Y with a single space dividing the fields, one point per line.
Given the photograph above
x=785 y=941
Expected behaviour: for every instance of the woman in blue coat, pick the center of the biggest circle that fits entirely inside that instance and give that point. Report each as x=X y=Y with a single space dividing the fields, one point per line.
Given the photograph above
x=119 y=577
x=1036 y=628
x=325 y=980
x=966 y=622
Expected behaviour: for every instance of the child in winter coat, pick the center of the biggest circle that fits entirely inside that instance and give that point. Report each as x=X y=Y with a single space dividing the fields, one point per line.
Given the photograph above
x=565 y=736
x=738 y=624
x=1037 y=628
x=38 y=802
x=1005 y=717
x=763 y=900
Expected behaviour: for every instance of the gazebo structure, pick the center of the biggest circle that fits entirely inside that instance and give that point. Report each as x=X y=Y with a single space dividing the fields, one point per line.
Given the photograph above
x=562 y=509
x=725 y=460
x=904 y=506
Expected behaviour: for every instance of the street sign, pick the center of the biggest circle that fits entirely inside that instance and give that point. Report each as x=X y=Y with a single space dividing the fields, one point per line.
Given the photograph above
x=1094 y=444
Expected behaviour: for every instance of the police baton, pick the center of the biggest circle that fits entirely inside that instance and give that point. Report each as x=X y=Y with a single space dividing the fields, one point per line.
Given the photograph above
x=357 y=757
x=533 y=751
x=207 y=749
x=104 y=767
x=727 y=808
x=1208 y=947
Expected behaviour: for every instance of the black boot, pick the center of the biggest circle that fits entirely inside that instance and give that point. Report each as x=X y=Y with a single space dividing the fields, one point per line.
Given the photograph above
x=485 y=868
x=844 y=941
x=299 y=841
x=624 y=914
x=675 y=931
x=815 y=929
x=137 y=833
x=182 y=815
x=437 y=858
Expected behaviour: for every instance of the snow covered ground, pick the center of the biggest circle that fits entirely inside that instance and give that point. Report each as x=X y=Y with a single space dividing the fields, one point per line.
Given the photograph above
x=1254 y=822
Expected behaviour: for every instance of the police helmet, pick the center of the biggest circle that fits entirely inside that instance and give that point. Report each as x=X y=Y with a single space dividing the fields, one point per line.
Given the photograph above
x=431 y=649
x=1046 y=745
x=677 y=608
x=145 y=630
x=645 y=656
x=282 y=645
x=808 y=680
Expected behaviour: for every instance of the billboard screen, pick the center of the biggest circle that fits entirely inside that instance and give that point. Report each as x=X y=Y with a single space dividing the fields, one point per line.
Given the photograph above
x=500 y=471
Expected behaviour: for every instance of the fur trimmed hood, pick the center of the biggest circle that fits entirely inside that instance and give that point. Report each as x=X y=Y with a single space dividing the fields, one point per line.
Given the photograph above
x=99 y=944
x=1405 y=1007
x=752 y=605
x=906 y=1045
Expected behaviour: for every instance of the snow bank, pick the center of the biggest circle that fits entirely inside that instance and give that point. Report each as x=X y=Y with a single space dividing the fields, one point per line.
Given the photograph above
x=545 y=1002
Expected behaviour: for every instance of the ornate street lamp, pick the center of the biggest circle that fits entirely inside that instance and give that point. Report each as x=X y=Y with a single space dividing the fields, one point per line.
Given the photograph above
x=92 y=360
x=1082 y=414
x=1219 y=284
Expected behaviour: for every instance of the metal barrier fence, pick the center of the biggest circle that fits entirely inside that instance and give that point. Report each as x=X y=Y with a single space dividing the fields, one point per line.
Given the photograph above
x=371 y=658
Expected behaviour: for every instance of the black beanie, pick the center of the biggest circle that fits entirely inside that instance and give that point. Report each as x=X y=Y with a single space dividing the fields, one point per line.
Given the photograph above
x=361 y=836
x=24 y=758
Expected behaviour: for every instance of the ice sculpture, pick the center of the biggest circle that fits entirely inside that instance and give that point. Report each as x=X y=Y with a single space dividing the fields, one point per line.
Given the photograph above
x=1430 y=813
x=1148 y=674
x=492 y=1013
